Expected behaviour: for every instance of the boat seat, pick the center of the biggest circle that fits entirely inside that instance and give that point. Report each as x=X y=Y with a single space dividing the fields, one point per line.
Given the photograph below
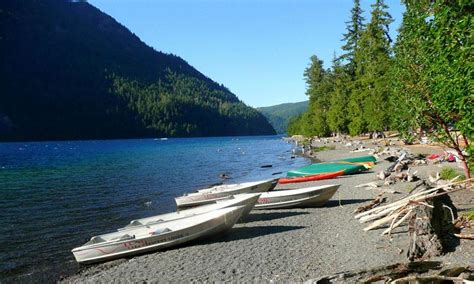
x=95 y=240
x=135 y=223
x=160 y=231
x=126 y=237
x=155 y=221
x=123 y=237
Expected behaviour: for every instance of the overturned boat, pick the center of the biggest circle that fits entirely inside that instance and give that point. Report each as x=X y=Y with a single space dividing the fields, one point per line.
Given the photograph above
x=303 y=197
x=348 y=168
x=315 y=177
x=219 y=192
x=161 y=235
x=248 y=200
x=348 y=165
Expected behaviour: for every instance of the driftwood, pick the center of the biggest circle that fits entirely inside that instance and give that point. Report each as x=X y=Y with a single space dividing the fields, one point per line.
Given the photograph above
x=417 y=272
x=465 y=236
x=398 y=223
x=463 y=222
x=396 y=163
x=374 y=203
x=395 y=213
x=414 y=196
x=369 y=184
x=428 y=279
x=431 y=229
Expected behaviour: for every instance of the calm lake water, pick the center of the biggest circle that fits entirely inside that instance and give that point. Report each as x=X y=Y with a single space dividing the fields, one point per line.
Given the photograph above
x=55 y=195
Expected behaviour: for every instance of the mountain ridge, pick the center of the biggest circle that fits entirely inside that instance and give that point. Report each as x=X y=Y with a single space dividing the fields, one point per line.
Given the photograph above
x=279 y=115
x=61 y=64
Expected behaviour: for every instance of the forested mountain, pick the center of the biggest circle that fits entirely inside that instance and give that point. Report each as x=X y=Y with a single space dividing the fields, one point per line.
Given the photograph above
x=69 y=71
x=280 y=115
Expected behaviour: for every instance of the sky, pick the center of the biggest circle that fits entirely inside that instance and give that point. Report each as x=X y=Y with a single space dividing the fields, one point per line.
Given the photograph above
x=257 y=48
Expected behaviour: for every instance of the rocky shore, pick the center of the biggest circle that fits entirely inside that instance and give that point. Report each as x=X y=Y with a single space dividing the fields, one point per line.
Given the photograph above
x=291 y=245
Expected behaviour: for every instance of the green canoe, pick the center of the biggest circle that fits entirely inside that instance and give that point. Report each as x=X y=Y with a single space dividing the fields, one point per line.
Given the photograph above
x=326 y=168
x=361 y=159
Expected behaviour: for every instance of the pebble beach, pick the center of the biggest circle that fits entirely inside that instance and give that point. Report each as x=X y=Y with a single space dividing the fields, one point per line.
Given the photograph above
x=287 y=245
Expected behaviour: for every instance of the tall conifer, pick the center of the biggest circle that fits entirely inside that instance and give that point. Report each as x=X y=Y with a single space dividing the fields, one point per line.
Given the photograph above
x=319 y=86
x=368 y=102
x=351 y=38
x=337 y=113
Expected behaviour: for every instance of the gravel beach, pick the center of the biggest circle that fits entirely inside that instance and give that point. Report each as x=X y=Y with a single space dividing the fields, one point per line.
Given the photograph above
x=291 y=245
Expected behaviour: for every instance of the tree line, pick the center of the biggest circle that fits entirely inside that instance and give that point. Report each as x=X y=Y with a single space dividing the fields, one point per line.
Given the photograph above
x=180 y=105
x=421 y=82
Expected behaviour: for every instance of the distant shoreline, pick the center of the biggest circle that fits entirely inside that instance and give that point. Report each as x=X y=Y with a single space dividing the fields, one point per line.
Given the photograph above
x=137 y=138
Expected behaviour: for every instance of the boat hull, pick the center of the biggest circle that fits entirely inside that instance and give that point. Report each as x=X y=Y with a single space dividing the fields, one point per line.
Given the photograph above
x=204 y=197
x=361 y=159
x=315 y=177
x=206 y=227
x=305 y=197
x=248 y=200
x=325 y=168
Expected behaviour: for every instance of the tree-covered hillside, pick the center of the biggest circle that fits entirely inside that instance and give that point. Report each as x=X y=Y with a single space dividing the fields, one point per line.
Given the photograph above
x=69 y=71
x=280 y=115
x=419 y=83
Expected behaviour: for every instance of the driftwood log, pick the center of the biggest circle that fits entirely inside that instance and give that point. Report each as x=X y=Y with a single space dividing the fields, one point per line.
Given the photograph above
x=465 y=236
x=412 y=272
x=374 y=203
x=395 y=213
x=431 y=229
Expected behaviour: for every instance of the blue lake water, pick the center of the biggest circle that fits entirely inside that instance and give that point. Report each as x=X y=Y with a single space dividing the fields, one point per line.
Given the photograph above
x=55 y=195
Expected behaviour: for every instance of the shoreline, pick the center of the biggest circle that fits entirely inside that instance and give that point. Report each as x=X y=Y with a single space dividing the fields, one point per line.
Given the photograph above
x=287 y=244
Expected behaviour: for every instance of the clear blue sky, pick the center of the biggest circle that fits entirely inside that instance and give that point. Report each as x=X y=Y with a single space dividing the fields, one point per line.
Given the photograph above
x=257 y=48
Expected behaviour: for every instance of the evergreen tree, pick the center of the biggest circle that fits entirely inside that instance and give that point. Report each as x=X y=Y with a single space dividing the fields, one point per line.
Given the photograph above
x=340 y=111
x=351 y=38
x=337 y=114
x=368 y=102
x=319 y=86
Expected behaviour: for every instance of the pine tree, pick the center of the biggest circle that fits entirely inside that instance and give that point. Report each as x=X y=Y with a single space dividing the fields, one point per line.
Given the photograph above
x=369 y=109
x=337 y=114
x=351 y=38
x=319 y=86
x=341 y=112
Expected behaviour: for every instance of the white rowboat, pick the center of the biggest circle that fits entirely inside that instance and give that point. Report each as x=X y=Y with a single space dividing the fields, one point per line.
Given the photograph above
x=157 y=236
x=247 y=199
x=303 y=197
x=212 y=194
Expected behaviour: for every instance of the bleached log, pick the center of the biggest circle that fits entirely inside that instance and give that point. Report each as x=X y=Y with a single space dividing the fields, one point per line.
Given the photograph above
x=396 y=215
x=398 y=223
x=428 y=279
x=465 y=236
x=384 y=220
x=382 y=175
x=387 y=208
x=402 y=156
x=435 y=178
x=401 y=201
x=369 y=184
x=379 y=215
x=424 y=192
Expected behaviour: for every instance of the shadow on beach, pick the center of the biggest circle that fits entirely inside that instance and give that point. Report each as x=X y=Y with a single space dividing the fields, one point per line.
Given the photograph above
x=266 y=216
x=243 y=233
x=335 y=203
x=240 y=233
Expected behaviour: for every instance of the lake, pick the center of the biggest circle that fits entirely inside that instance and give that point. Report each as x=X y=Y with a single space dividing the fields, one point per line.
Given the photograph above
x=55 y=195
